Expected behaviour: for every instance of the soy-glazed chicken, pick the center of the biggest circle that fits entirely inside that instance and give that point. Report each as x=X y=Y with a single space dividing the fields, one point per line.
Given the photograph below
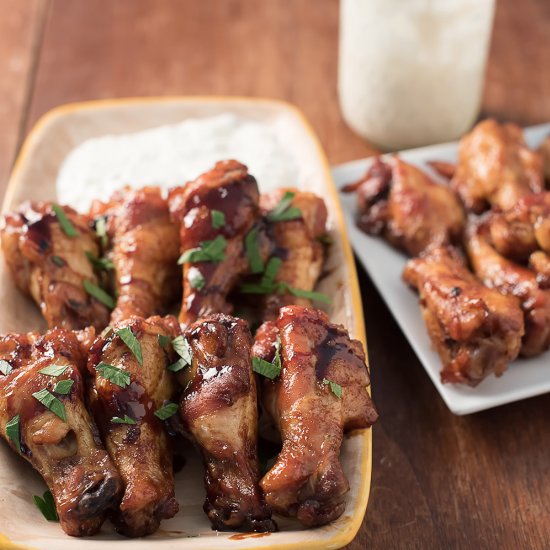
x=544 y=151
x=219 y=410
x=495 y=167
x=475 y=330
x=143 y=247
x=319 y=393
x=131 y=394
x=44 y=419
x=46 y=247
x=512 y=279
x=400 y=202
x=214 y=213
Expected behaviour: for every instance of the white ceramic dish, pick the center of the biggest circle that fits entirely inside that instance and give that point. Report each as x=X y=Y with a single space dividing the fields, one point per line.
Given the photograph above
x=34 y=175
x=524 y=377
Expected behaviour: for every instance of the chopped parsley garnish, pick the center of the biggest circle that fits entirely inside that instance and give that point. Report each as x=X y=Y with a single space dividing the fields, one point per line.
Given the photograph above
x=125 y=420
x=66 y=224
x=195 y=278
x=253 y=254
x=99 y=263
x=182 y=348
x=178 y=365
x=163 y=340
x=51 y=402
x=101 y=231
x=46 y=505
x=335 y=388
x=166 y=411
x=58 y=261
x=265 y=368
x=218 y=218
x=208 y=251
x=129 y=338
x=5 y=367
x=115 y=375
x=54 y=370
x=63 y=387
x=309 y=294
x=283 y=211
x=12 y=431
x=99 y=294
x=267 y=285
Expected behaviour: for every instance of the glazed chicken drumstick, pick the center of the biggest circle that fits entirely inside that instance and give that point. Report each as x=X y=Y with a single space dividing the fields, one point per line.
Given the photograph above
x=144 y=248
x=44 y=419
x=45 y=247
x=219 y=410
x=476 y=330
x=130 y=388
x=320 y=393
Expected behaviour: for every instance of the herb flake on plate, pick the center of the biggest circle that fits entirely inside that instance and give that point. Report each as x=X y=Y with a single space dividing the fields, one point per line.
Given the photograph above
x=13 y=433
x=46 y=505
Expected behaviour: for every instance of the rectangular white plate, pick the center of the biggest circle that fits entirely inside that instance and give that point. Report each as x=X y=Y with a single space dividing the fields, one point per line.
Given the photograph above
x=524 y=377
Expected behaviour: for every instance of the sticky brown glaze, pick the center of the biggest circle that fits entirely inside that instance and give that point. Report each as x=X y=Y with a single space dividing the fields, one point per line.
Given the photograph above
x=144 y=247
x=218 y=408
x=539 y=262
x=495 y=167
x=51 y=267
x=68 y=454
x=307 y=481
x=544 y=151
x=401 y=203
x=141 y=452
x=512 y=279
x=230 y=189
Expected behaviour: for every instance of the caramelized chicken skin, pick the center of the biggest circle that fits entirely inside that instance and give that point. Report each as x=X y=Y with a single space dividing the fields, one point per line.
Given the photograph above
x=51 y=266
x=400 y=202
x=495 y=167
x=139 y=449
x=219 y=409
x=307 y=480
x=230 y=190
x=476 y=330
x=144 y=250
x=544 y=151
x=66 y=451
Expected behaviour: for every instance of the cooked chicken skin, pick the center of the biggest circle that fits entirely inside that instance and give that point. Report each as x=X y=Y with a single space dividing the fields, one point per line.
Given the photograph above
x=512 y=279
x=51 y=266
x=539 y=262
x=219 y=409
x=144 y=250
x=230 y=190
x=495 y=167
x=400 y=202
x=296 y=242
x=544 y=151
x=67 y=453
x=140 y=450
x=307 y=480
x=476 y=330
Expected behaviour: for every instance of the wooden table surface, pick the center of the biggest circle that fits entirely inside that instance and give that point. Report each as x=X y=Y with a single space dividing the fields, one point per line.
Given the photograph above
x=439 y=481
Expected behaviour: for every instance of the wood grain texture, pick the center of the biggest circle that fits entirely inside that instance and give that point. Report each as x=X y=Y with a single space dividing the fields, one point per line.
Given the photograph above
x=439 y=481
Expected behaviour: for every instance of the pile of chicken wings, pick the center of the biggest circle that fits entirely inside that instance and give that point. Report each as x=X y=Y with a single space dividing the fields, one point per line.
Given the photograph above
x=100 y=402
x=479 y=246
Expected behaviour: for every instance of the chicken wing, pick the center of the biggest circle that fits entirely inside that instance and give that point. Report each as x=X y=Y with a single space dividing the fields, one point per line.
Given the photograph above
x=125 y=396
x=43 y=418
x=321 y=393
x=401 y=203
x=515 y=280
x=495 y=167
x=539 y=262
x=544 y=151
x=218 y=409
x=144 y=250
x=46 y=255
x=214 y=212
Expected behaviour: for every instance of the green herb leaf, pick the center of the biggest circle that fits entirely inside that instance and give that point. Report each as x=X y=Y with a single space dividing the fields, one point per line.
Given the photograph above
x=195 y=278
x=218 y=218
x=335 y=388
x=46 y=505
x=129 y=338
x=5 y=367
x=277 y=357
x=283 y=211
x=101 y=231
x=267 y=285
x=182 y=348
x=115 y=375
x=58 y=261
x=63 y=387
x=265 y=368
x=12 y=431
x=166 y=411
x=106 y=332
x=99 y=294
x=66 y=224
x=178 y=365
x=51 y=402
x=104 y=264
x=253 y=254
x=309 y=294
x=271 y=270
x=54 y=370
x=125 y=420
x=325 y=239
x=163 y=340
x=209 y=251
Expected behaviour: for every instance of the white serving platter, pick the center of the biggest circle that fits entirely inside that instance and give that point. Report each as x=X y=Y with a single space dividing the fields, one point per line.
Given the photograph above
x=524 y=377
